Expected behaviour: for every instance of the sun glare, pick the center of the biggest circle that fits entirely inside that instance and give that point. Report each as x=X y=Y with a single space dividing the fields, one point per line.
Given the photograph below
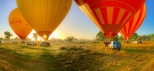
x=54 y=35
x=57 y=34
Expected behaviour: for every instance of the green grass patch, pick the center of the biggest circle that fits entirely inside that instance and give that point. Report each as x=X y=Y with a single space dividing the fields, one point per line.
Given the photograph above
x=130 y=50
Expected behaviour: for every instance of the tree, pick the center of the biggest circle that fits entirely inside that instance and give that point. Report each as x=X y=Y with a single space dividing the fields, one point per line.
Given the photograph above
x=1 y=38
x=70 y=39
x=115 y=37
x=121 y=38
x=7 y=35
x=144 y=37
x=75 y=39
x=148 y=37
x=139 y=37
x=27 y=39
x=100 y=36
x=35 y=35
x=16 y=38
x=134 y=36
x=151 y=36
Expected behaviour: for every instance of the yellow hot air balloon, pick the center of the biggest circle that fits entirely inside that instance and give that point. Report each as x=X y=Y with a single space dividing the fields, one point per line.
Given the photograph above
x=44 y=15
x=18 y=24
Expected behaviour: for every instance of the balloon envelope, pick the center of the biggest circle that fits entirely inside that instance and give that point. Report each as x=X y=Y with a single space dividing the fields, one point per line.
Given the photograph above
x=44 y=15
x=110 y=15
x=18 y=24
x=134 y=23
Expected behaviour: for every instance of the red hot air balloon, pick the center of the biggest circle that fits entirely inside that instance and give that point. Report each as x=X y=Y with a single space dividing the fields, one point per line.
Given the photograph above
x=110 y=15
x=132 y=25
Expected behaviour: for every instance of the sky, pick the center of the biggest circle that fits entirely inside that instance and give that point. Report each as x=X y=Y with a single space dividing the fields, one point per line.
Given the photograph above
x=75 y=23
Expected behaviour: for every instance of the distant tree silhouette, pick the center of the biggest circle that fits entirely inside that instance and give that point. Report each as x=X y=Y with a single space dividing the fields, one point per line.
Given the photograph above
x=1 y=38
x=16 y=38
x=150 y=36
x=27 y=39
x=70 y=39
x=134 y=36
x=100 y=36
x=35 y=35
x=7 y=35
x=115 y=38
x=143 y=37
x=121 y=38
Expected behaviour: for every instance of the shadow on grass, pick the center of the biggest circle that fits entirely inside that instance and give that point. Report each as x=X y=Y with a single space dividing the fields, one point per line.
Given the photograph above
x=72 y=59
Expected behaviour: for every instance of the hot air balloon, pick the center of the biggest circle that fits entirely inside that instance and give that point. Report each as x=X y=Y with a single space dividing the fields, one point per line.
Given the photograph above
x=18 y=24
x=44 y=16
x=110 y=15
x=134 y=23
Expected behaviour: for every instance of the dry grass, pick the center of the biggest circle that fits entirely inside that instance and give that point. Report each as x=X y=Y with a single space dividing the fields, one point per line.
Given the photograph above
x=76 y=57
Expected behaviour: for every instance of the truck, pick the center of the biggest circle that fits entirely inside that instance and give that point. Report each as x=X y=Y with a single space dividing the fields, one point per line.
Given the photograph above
x=114 y=45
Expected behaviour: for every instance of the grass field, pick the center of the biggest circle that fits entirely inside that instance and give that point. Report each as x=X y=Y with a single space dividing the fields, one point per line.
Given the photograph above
x=76 y=57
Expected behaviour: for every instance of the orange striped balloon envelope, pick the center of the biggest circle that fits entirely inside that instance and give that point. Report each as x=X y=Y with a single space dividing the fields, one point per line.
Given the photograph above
x=134 y=23
x=18 y=24
x=44 y=16
x=110 y=15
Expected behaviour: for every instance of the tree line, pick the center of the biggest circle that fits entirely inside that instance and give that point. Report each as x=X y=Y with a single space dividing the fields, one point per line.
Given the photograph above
x=135 y=36
x=8 y=36
x=99 y=37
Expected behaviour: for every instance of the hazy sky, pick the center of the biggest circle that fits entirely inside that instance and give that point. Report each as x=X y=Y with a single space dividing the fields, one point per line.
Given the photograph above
x=75 y=23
